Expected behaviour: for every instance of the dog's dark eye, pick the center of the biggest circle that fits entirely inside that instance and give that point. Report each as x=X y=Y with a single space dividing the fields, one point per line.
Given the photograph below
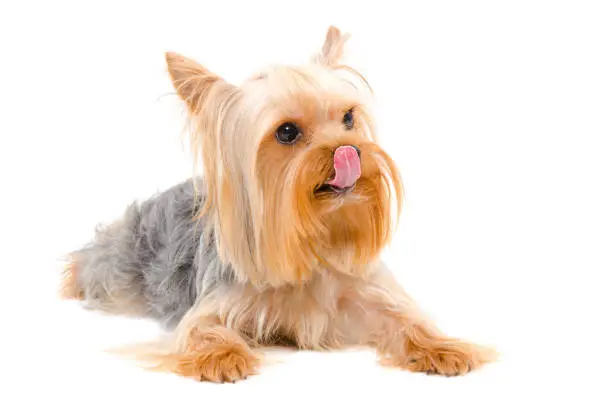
x=348 y=120
x=288 y=133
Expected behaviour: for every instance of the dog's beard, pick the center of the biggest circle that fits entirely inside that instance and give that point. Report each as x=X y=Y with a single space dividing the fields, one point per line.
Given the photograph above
x=309 y=226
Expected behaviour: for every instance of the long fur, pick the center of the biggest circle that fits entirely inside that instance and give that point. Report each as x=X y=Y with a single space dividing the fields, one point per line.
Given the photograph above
x=252 y=253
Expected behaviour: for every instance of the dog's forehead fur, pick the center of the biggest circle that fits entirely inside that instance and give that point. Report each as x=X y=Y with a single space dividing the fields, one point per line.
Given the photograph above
x=309 y=93
x=312 y=78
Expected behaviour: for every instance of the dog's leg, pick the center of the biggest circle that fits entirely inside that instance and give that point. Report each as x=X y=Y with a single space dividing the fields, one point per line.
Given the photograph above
x=388 y=320
x=201 y=349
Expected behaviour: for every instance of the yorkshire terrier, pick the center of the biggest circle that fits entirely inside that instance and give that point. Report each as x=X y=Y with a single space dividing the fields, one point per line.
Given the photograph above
x=278 y=241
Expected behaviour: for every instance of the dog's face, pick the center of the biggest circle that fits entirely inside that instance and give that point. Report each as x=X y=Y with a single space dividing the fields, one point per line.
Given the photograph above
x=294 y=177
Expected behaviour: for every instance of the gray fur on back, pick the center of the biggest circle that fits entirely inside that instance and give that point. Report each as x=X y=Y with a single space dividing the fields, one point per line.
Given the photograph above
x=155 y=261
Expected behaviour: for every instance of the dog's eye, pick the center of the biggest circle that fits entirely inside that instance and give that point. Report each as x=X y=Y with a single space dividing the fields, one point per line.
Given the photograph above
x=348 y=120
x=288 y=133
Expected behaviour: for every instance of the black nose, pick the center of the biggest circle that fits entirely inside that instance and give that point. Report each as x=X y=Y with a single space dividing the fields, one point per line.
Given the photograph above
x=357 y=149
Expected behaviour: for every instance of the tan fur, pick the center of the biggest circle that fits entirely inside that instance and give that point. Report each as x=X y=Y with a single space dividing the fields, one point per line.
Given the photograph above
x=209 y=352
x=333 y=311
x=359 y=225
x=438 y=355
x=68 y=286
x=214 y=354
x=309 y=274
x=405 y=338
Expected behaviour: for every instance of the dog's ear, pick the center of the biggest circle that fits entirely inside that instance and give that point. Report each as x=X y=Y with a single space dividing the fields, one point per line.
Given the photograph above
x=333 y=48
x=194 y=84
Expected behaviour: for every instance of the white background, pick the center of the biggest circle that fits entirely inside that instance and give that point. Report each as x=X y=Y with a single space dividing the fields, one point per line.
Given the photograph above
x=499 y=115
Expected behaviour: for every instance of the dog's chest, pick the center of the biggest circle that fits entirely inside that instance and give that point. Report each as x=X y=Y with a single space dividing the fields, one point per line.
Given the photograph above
x=302 y=314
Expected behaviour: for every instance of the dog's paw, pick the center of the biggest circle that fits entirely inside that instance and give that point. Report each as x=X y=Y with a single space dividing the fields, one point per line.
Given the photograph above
x=218 y=363
x=448 y=358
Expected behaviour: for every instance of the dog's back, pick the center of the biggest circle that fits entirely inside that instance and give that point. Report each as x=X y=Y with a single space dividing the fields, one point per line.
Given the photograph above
x=143 y=264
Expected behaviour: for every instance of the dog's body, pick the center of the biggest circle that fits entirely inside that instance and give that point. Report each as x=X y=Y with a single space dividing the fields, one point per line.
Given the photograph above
x=145 y=264
x=282 y=243
x=157 y=261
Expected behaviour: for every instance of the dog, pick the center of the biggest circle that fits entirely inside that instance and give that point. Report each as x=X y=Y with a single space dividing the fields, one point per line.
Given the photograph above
x=278 y=241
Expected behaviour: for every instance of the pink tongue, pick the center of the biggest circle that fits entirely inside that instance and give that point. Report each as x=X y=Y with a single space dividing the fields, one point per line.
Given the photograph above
x=347 y=166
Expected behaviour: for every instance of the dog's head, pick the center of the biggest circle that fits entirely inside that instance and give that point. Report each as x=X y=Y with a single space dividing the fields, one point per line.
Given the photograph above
x=294 y=178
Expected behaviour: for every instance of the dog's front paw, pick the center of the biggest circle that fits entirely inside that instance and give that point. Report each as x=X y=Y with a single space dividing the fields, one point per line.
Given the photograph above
x=448 y=358
x=218 y=363
x=212 y=354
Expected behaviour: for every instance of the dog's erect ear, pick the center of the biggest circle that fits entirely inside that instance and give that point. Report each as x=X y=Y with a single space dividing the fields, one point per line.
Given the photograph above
x=194 y=83
x=333 y=48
